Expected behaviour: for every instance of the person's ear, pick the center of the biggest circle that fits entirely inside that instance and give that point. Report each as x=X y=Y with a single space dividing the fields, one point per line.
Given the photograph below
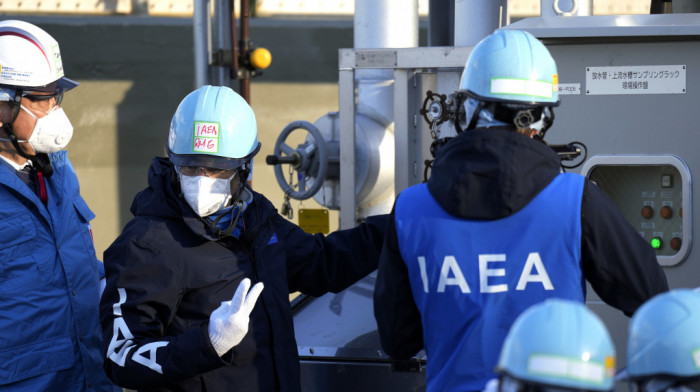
x=3 y=109
x=5 y=112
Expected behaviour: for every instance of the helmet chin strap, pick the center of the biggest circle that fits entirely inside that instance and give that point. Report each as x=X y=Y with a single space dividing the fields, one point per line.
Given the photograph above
x=243 y=173
x=40 y=161
x=519 y=118
x=238 y=210
x=475 y=116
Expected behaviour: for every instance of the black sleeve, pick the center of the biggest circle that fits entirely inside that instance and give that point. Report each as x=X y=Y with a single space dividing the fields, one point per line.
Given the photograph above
x=318 y=264
x=619 y=264
x=142 y=295
x=398 y=318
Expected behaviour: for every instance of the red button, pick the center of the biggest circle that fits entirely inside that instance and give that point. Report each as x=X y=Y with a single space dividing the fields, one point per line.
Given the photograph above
x=676 y=243
x=666 y=212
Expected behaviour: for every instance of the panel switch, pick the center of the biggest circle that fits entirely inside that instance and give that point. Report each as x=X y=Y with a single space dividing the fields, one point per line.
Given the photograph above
x=666 y=181
x=666 y=212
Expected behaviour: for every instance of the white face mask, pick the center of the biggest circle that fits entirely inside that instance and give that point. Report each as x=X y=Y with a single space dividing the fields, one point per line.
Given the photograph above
x=51 y=133
x=205 y=195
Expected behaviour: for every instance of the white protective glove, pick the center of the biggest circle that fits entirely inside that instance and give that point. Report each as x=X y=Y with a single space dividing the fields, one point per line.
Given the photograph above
x=228 y=324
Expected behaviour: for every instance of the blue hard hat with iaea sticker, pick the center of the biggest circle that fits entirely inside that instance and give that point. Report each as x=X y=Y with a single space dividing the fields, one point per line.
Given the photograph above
x=213 y=127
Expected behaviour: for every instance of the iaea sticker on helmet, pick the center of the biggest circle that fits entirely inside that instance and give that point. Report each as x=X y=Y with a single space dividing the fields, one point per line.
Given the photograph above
x=206 y=137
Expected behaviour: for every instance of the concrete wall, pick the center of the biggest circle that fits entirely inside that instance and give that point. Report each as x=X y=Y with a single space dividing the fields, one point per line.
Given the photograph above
x=135 y=70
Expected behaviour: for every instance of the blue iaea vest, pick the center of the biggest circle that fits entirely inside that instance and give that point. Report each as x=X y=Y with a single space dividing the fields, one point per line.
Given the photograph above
x=470 y=279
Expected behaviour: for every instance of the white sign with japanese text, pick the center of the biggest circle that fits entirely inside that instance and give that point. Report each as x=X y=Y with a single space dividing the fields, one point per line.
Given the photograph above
x=569 y=88
x=636 y=79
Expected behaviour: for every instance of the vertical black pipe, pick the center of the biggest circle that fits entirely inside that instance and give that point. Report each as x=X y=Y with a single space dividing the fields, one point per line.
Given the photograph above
x=441 y=23
x=234 y=42
x=661 y=7
x=244 y=49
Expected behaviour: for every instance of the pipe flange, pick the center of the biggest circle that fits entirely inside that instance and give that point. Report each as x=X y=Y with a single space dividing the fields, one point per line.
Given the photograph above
x=558 y=11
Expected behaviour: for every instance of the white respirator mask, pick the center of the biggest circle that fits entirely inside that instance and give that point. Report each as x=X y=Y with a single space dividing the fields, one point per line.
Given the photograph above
x=51 y=133
x=206 y=195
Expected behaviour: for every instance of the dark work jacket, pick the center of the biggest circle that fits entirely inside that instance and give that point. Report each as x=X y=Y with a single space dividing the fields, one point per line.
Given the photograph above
x=50 y=337
x=169 y=270
x=489 y=174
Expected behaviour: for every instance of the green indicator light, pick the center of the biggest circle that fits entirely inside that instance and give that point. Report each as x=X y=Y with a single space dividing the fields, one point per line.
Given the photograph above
x=656 y=242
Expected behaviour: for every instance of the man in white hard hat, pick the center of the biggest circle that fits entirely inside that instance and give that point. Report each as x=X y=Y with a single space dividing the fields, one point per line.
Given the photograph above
x=49 y=273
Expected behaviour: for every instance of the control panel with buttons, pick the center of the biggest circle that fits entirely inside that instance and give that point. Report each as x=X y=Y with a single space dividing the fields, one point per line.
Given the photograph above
x=652 y=192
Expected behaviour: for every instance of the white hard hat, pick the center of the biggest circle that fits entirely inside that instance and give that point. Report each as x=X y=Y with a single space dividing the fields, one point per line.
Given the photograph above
x=29 y=60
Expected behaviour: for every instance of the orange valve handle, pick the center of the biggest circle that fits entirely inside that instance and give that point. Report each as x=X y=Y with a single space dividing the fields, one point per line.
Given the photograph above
x=260 y=58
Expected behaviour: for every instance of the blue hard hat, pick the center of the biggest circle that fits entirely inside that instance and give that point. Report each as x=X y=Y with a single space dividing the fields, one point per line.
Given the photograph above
x=511 y=66
x=664 y=336
x=213 y=127
x=559 y=343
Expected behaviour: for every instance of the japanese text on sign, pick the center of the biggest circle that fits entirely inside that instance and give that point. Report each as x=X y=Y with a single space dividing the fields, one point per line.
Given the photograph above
x=206 y=137
x=638 y=79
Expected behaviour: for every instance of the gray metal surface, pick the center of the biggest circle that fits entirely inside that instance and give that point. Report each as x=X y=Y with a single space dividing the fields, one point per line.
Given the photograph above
x=353 y=376
x=611 y=26
x=346 y=105
x=339 y=346
x=404 y=128
x=637 y=124
x=412 y=69
x=339 y=325
x=420 y=57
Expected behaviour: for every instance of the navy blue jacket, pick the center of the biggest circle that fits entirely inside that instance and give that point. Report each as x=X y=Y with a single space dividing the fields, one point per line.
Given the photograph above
x=491 y=174
x=169 y=270
x=50 y=336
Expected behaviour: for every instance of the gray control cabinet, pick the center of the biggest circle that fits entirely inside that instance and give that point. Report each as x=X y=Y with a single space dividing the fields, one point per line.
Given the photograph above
x=638 y=124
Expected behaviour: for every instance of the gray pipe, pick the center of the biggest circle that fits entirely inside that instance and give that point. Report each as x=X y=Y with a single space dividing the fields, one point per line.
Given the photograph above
x=385 y=24
x=475 y=19
x=378 y=24
x=200 y=31
x=382 y=24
